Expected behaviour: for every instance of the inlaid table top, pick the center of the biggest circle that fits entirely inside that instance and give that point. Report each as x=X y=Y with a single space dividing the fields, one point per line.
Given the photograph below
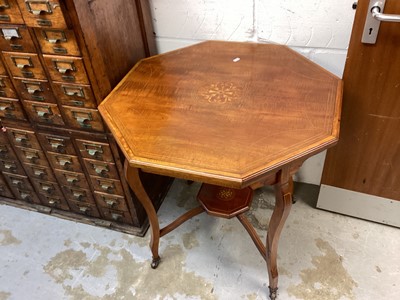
x=225 y=113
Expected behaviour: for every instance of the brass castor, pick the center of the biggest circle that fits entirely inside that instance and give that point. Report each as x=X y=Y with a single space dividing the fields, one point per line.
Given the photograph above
x=273 y=293
x=155 y=262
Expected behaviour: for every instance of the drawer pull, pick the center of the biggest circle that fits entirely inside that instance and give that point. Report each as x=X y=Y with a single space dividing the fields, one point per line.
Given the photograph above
x=6 y=106
x=101 y=170
x=54 y=202
x=39 y=173
x=72 y=179
x=64 y=66
x=84 y=209
x=10 y=166
x=116 y=217
x=43 y=114
x=18 y=183
x=64 y=162
x=38 y=7
x=25 y=196
x=57 y=146
x=10 y=33
x=21 y=139
x=32 y=156
x=79 y=195
x=4 y=4
x=84 y=122
x=48 y=188
x=73 y=92
x=107 y=187
x=110 y=203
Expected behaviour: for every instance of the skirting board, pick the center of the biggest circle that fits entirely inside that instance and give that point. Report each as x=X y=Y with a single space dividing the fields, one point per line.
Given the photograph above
x=359 y=205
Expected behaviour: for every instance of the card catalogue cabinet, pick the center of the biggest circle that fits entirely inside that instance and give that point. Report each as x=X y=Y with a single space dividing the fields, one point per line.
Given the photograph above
x=59 y=59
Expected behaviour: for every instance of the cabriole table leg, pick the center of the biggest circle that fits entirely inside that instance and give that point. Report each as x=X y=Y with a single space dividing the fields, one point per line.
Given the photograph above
x=133 y=178
x=283 y=203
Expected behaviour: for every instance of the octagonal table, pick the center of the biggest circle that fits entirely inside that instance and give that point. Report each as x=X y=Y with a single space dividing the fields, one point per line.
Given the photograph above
x=235 y=116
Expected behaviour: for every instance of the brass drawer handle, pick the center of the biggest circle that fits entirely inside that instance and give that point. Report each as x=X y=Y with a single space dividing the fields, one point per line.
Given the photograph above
x=4 y=5
x=38 y=7
x=64 y=66
x=84 y=209
x=18 y=183
x=6 y=107
x=21 y=139
x=64 y=162
x=107 y=187
x=54 y=202
x=72 y=179
x=32 y=156
x=10 y=34
x=101 y=170
x=39 y=173
x=56 y=144
x=48 y=188
x=42 y=114
x=110 y=202
x=25 y=196
x=32 y=87
x=10 y=166
x=79 y=195
x=116 y=217
x=73 y=91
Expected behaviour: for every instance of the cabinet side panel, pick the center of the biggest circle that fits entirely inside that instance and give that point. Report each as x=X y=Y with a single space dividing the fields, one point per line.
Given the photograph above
x=112 y=34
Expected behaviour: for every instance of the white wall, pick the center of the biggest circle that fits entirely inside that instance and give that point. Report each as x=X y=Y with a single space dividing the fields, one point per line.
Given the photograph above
x=318 y=29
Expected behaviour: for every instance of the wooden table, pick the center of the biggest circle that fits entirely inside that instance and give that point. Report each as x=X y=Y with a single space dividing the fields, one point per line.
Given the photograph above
x=235 y=116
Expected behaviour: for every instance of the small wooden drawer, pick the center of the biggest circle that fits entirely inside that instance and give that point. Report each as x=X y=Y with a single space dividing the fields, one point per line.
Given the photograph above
x=81 y=118
x=116 y=215
x=109 y=186
x=35 y=90
x=75 y=95
x=11 y=166
x=48 y=188
x=46 y=13
x=11 y=109
x=54 y=201
x=95 y=150
x=25 y=65
x=72 y=179
x=6 y=152
x=43 y=112
x=9 y=12
x=32 y=156
x=18 y=182
x=66 y=69
x=65 y=162
x=39 y=172
x=57 y=41
x=77 y=194
x=23 y=138
x=6 y=88
x=16 y=38
x=56 y=143
x=111 y=201
x=84 y=208
x=102 y=169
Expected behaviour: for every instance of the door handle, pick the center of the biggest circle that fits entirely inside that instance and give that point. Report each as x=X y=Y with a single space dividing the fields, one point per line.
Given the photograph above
x=376 y=13
x=373 y=21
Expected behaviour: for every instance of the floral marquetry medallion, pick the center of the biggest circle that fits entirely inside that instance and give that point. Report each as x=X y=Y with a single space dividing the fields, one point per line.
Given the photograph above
x=221 y=92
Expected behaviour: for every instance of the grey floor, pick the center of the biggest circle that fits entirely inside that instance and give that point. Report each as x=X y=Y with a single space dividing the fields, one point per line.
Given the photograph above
x=321 y=256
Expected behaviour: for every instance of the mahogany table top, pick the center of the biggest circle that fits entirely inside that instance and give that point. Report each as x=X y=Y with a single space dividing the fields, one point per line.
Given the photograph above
x=225 y=113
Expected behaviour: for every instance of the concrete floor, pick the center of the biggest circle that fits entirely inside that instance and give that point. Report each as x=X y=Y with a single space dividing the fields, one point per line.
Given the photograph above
x=321 y=256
